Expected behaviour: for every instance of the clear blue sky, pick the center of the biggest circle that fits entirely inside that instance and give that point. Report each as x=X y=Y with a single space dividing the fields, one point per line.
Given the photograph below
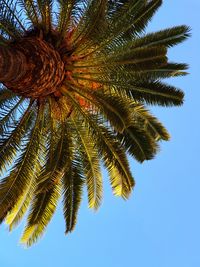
x=159 y=226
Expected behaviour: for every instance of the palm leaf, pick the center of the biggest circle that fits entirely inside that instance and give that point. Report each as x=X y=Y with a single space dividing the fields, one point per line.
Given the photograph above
x=45 y=9
x=8 y=115
x=90 y=165
x=143 y=17
x=72 y=192
x=10 y=19
x=14 y=185
x=149 y=123
x=90 y=25
x=65 y=15
x=31 y=11
x=42 y=210
x=168 y=37
x=11 y=141
x=5 y=94
x=157 y=72
x=36 y=150
x=138 y=143
x=156 y=93
x=48 y=189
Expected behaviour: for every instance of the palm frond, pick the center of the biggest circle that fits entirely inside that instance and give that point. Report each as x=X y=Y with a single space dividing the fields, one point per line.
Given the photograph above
x=156 y=93
x=8 y=115
x=6 y=96
x=90 y=164
x=23 y=172
x=31 y=10
x=142 y=17
x=48 y=189
x=168 y=37
x=126 y=11
x=68 y=11
x=42 y=210
x=35 y=151
x=150 y=92
x=57 y=159
x=134 y=16
x=157 y=72
x=90 y=25
x=10 y=19
x=116 y=162
x=149 y=123
x=116 y=110
x=138 y=143
x=72 y=192
x=10 y=142
x=45 y=9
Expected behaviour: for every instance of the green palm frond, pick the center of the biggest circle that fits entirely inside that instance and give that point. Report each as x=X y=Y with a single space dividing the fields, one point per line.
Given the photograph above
x=121 y=76
x=138 y=143
x=159 y=72
x=149 y=123
x=127 y=13
x=90 y=24
x=31 y=10
x=42 y=210
x=116 y=162
x=13 y=185
x=69 y=14
x=57 y=159
x=64 y=15
x=134 y=16
x=168 y=37
x=72 y=193
x=143 y=16
x=45 y=10
x=90 y=164
x=48 y=189
x=150 y=92
x=11 y=140
x=30 y=169
x=70 y=11
x=8 y=115
x=17 y=213
x=156 y=93
x=116 y=110
x=5 y=97
x=10 y=19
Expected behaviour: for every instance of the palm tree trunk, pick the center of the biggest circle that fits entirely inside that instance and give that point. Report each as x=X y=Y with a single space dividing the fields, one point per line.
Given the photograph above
x=13 y=65
x=31 y=68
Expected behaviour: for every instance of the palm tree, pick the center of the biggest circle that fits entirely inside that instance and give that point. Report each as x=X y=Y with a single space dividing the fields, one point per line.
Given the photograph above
x=75 y=78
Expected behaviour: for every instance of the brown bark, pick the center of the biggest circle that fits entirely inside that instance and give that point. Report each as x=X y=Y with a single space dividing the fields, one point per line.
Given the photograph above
x=31 y=68
x=13 y=64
